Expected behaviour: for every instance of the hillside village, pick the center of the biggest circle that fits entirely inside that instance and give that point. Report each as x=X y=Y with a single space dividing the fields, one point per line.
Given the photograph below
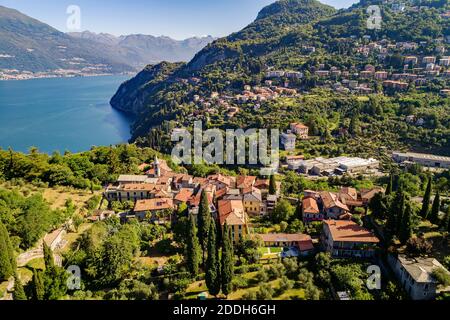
x=242 y=202
x=414 y=70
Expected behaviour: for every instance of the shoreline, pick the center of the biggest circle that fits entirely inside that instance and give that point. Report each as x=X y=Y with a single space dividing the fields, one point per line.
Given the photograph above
x=69 y=76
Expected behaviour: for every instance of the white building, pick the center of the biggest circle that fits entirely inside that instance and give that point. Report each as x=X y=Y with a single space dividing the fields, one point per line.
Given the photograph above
x=426 y=160
x=415 y=276
x=352 y=165
x=294 y=74
x=275 y=74
x=339 y=165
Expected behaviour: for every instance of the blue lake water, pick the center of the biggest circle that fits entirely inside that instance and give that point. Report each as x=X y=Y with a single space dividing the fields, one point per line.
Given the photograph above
x=61 y=114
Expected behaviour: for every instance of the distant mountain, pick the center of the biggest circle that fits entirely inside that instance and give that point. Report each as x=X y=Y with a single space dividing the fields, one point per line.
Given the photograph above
x=27 y=44
x=104 y=38
x=140 y=50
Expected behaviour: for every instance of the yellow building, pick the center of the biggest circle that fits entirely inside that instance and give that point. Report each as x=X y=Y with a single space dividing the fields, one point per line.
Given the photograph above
x=233 y=214
x=253 y=204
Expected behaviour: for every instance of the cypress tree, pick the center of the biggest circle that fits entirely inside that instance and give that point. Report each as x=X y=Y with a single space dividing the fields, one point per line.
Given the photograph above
x=48 y=257
x=298 y=210
x=55 y=283
x=10 y=250
x=426 y=200
x=395 y=214
x=38 y=285
x=193 y=249
x=19 y=292
x=389 y=186
x=400 y=207
x=272 y=185
x=406 y=231
x=434 y=214
x=390 y=225
x=212 y=263
x=7 y=262
x=204 y=223
x=227 y=261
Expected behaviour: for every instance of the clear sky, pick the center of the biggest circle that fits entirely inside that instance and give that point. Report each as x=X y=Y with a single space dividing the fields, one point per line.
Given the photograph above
x=178 y=19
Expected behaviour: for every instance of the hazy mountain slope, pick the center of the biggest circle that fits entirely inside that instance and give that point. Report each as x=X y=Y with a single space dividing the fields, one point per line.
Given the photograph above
x=105 y=38
x=34 y=46
x=140 y=50
x=27 y=44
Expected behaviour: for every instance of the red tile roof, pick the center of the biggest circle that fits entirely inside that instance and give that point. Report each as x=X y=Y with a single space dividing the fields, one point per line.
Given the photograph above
x=349 y=231
x=262 y=183
x=153 y=205
x=245 y=182
x=184 y=195
x=226 y=180
x=348 y=192
x=194 y=200
x=310 y=206
x=331 y=200
x=299 y=125
x=232 y=212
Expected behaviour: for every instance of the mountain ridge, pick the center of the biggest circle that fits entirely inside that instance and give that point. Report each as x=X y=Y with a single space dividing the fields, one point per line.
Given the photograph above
x=148 y=49
x=29 y=45
x=36 y=46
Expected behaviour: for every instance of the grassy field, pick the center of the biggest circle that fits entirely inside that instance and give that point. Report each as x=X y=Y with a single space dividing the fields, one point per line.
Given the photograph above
x=270 y=253
x=36 y=264
x=57 y=196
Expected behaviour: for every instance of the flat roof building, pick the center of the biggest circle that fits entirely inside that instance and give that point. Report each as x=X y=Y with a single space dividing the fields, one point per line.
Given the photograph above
x=416 y=276
x=426 y=160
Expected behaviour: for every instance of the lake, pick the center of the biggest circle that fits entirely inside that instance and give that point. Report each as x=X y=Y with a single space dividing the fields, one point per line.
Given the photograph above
x=61 y=114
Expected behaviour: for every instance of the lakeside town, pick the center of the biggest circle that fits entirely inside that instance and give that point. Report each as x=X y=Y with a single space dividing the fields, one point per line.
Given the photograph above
x=12 y=74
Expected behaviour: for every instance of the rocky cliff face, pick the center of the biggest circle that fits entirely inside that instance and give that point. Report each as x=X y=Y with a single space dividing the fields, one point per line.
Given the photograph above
x=131 y=97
